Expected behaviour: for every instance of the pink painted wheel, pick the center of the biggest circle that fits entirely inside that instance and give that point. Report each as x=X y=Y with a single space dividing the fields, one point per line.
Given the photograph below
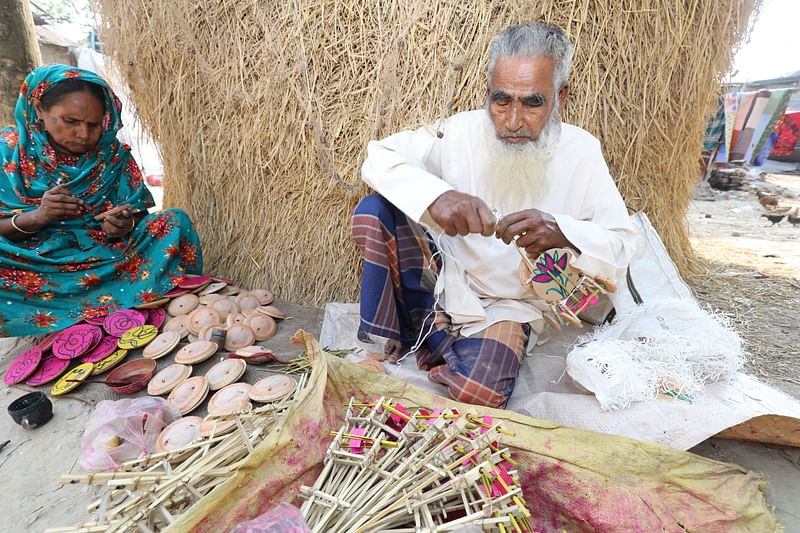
x=23 y=366
x=49 y=369
x=118 y=322
x=104 y=348
x=75 y=341
x=157 y=317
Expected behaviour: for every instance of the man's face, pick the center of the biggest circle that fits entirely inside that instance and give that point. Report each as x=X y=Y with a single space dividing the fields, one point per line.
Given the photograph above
x=74 y=123
x=521 y=97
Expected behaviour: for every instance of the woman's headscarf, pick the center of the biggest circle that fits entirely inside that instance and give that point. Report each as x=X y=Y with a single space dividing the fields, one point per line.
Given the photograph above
x=103 y=177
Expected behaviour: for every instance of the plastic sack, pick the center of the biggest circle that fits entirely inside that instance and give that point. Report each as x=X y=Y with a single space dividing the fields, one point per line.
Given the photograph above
x=123 y=430
x=285 y=518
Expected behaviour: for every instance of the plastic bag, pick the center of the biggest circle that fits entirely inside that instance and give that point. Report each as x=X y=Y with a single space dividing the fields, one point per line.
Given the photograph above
x=285 y=518
x=123 y=430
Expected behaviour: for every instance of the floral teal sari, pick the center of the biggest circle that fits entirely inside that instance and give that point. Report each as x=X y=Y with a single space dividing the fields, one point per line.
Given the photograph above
x=73 y=270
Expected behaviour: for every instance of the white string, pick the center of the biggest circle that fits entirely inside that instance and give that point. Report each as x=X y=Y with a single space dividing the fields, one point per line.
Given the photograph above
x=423 y=335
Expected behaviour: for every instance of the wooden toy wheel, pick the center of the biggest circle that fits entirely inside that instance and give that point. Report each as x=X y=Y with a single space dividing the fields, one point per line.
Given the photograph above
x=605 y=284
x=571 y=318
x=551 y=321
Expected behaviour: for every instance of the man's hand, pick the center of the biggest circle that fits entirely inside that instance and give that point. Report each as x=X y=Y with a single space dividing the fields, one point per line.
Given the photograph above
x=459 y=213
x=536 y=231
x=118 y=225
x=58 y=204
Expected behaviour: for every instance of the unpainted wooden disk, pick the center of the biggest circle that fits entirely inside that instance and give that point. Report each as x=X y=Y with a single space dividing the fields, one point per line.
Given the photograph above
x=213 y=287
x=246 y=300
x=224 y=306
x=272 y=388
x=263 y=326
x=205 y=333
x=202 y=317
x=162 y=345
x=230 y=290
x=235 y=319
x=195 y=353
x=209 y=299
x=272 y=311
x=183 y=305
x=255 y=354
x=225 y=372
x=238 y=337
x=168 y=378
x=231 y=399
x=250 y=312
x=187 y=396
x=213 y=427
x=178 y=434
x=178 y=324
x=264 y=296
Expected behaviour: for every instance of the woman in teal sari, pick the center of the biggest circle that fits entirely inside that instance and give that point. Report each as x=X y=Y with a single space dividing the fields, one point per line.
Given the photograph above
x=62 y=165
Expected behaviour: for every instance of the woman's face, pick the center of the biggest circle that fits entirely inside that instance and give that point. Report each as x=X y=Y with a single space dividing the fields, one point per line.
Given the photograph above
x=74 y=122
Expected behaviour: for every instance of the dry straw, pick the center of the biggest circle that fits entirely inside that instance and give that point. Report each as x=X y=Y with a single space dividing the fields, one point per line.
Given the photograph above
x=264 y=109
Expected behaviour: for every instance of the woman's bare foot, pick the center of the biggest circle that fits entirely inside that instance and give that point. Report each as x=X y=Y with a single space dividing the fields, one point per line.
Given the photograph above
x=394 y=350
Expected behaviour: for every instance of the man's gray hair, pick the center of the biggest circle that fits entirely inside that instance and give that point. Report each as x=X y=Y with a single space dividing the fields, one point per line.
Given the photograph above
x=534 y=39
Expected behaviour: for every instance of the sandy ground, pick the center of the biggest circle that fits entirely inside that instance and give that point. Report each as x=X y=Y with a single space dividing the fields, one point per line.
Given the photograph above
x=754 y=271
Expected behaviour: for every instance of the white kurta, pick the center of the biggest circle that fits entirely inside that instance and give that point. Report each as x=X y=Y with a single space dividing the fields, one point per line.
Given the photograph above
x=478 y=285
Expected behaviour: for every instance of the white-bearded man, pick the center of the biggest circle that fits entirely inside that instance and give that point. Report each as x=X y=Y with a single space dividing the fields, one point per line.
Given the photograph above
x=431 y=239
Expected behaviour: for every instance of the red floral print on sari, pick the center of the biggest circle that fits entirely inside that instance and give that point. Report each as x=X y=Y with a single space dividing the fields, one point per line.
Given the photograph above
x=131 y=267
x=89 y=280
x=10 y=167
x=32 y=282
x=76 y=267
x=188 y=253
x=28 y=169
x=98 y=236
x=11 y=138
x=44 y=320
x=147 y=296
x=96 y=311
x=134 y=174
x=160 y=226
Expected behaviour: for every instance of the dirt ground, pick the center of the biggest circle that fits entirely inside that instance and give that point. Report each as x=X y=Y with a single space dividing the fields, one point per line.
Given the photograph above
x=753 y=276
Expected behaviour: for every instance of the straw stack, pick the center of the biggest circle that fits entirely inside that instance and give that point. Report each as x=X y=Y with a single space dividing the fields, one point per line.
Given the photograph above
x=264 y=109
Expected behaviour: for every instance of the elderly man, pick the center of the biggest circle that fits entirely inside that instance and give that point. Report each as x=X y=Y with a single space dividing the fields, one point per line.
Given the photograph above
x=440 y=270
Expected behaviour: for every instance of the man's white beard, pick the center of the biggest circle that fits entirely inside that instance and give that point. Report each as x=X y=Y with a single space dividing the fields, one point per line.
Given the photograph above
x=515 y=175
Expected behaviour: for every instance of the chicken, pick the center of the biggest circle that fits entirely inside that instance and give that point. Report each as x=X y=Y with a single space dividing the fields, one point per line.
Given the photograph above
x=767 y=200
x=776 y=214
x=793 y=216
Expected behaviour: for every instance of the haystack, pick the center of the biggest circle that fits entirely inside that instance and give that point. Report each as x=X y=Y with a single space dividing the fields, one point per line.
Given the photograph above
x=264 y=109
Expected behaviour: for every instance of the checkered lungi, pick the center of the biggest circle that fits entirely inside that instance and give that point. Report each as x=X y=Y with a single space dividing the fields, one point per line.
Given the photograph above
x=397 y=303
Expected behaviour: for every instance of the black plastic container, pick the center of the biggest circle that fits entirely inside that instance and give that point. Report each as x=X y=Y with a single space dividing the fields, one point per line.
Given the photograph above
x=32 y=410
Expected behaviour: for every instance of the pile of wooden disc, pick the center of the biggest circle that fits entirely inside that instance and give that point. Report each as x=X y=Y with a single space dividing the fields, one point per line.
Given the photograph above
x=391 y=469
x=149 y=493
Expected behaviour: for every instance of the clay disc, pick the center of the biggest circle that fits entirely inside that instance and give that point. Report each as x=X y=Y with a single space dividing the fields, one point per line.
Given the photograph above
x=76 y=340
x=153 y=304
x=195 y=353
x=255 y=354
x=168 y=378
x=213 y=287
x=137 y=337
x=238 y=337
x=247 y=301
x=272 y=388
x=193 y=282
x=225 y=372
x=25 y=365
x=272 y=311
x=162 y=345
x=178 y=434
x=118 y=322
x=178 y=324
x=49 y=369
x=157 y=317
x=183 y=305
x=264 y=296
x=80 y=372
x=109 y=362
x=209 y=299
x=230 y=290
x=213 y=427
x=187 y=396
x=231 y=399
x=47 y=341
x=202 y=317
x=263 y=326
x=235 y=319
x=106 y=347
x=224 y=307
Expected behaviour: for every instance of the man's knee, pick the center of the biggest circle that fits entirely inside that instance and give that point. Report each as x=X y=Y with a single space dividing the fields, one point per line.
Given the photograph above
x=489 y=397
x=373 y=205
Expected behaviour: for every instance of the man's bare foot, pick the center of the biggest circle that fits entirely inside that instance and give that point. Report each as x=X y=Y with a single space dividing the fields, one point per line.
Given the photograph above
x=394 y=350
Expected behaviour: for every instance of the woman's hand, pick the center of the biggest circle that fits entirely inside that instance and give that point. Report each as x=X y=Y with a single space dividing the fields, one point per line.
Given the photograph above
x=57 y=204
x=118 y=225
